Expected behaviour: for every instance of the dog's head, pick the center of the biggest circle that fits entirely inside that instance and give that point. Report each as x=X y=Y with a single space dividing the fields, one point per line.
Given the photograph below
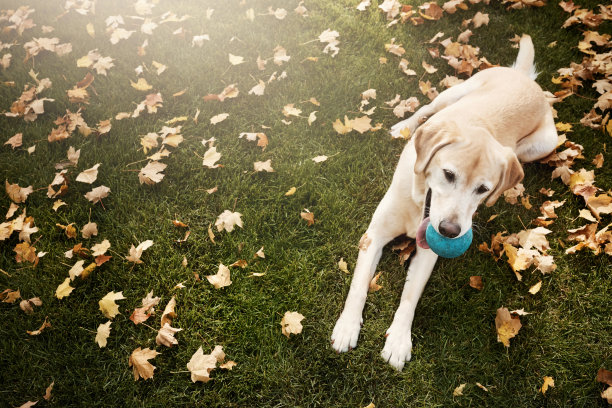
x=462 y=172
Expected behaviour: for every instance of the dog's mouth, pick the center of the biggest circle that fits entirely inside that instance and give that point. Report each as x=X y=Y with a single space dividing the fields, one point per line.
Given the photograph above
x=420 y=234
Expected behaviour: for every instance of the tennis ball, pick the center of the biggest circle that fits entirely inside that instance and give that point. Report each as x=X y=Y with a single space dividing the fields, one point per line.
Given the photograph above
x=447 y=247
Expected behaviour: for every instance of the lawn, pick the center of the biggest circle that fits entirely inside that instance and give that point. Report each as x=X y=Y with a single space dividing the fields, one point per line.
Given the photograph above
x=567 y=336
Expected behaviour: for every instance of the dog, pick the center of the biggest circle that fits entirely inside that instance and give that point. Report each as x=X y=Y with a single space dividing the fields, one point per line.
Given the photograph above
x=466 y=147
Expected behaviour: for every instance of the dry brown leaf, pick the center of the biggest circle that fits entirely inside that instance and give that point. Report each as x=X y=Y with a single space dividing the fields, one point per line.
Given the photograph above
x=548 y=382
x=40 y=330
x=373 y=286
x=507 y=326
x=165 y=336
x=139 y=362
x=308 y=216
x=476 y=282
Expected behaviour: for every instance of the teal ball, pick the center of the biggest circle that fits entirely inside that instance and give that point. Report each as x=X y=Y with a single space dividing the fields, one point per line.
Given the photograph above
x=447 y=247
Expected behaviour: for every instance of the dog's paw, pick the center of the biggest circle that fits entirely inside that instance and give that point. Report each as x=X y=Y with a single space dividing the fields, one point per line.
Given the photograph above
x=398 y=348
x=397 y=128
x=345 y=334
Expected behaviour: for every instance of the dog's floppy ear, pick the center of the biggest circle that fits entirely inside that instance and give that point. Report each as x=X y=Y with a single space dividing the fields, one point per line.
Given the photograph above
x=428 y=139
x=512 y=174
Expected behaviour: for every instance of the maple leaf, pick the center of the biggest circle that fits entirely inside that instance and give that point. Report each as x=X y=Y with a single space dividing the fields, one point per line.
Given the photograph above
x=535 y=288
x=165 y=336
x=168 y=314
x=63 y=289
x=458 y=391
x=221 y=279
x=373 y=286
x=141 y=85
x=342 y=128
x=263 y=166
x=15 y=141
x=139 y=361
x=10 y=296
x=97 y=194
x=361 y=124
x=107 y=304
x=507 y=326
x=25 y=252
x=258 y=89
x=290 y=110
x=548 y=382
x=136 y=252
x=480 y=19
x=343 y=266
x=151 y=173
x=141 y=314
x=102 y=334
x=227 y=220
x=200 y=365
x=17 y=194
x=291 y=323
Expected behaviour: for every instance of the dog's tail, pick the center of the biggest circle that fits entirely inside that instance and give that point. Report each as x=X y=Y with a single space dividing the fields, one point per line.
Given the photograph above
x=524 y=59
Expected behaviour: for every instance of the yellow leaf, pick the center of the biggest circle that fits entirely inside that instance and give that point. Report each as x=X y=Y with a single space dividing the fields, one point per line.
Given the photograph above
x=221 y=279
x=90 y=30
x=563 y=127
x=535 y=288
x=291 y=191
x=141 y=85
x=507 y=326
x=108 y=307
x=64 y=289
x=548 y=382
x=103 y=333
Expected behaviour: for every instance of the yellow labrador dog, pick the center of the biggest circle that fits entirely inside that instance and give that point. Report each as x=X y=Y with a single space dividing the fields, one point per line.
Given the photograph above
x=467 y=147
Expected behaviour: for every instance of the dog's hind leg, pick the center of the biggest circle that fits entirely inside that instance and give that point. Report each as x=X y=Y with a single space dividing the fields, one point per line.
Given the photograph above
x=540 y=143
x=386 y=224
x=398 y=346
x=444 y=99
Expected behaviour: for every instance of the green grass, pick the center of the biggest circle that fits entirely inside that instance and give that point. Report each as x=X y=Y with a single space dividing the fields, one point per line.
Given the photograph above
x=568 y=336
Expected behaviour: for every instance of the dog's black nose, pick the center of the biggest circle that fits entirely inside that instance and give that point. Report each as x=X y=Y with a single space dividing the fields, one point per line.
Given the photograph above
x=449 y=229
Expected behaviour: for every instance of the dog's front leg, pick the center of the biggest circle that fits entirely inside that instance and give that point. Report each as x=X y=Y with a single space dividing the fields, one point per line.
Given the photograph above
x=398 y=347
x=386 y=224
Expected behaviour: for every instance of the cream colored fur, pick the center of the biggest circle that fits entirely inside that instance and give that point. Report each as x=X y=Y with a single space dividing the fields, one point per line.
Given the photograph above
x=478 y=131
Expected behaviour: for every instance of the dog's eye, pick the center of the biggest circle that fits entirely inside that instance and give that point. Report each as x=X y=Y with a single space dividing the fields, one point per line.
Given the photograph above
x=450 y=176
x=482 y=189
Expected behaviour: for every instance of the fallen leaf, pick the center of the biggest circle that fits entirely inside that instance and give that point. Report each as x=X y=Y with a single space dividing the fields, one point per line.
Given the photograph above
x=168 y=314
x=102 y=334
x=458 y=391
x=373 y=286
x=89 y=176
x=107 y=304
x=263 y=166
x=101 y=248
x=15 y=141
x=200 y=365
x=27 y=305
x=507 y=326
x=343 y=266
x=535 y=288
x=141 y=85
x=97 y=194
x=291 y=323
x=221 y=279
x=39 y=330
x=16 y=193
x=10 y=296
x=548 y=382
x=165 y=336
x=218 y=118
x=476 y=282
x=227 y=220
x=308 y=216
x=139 y=362
x=63 y=289
x=211 y=157
x=291 y=191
